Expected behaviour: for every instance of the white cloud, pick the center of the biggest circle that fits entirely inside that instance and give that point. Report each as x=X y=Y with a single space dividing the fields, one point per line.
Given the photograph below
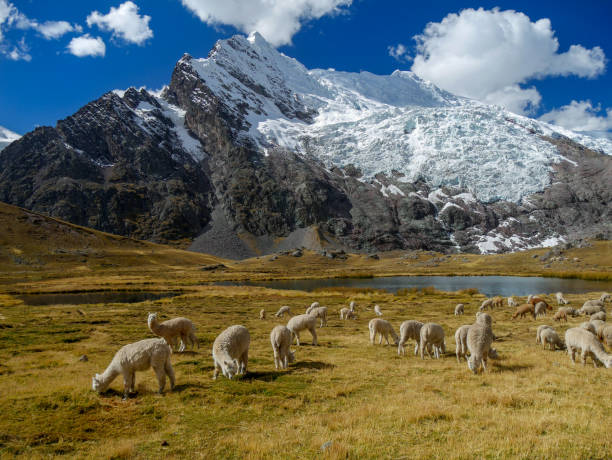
x=580 y=116
x=277 y=20
x=124 y=22
x=86 y=45
x=398 y=52
x=487 y=54
x=12 y=18
x=55 y=29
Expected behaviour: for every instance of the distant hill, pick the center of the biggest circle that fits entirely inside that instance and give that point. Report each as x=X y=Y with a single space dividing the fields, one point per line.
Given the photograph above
x=29 y=241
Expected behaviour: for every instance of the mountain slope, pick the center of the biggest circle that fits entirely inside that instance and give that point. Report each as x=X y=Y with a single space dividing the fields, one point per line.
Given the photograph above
x=246 y=152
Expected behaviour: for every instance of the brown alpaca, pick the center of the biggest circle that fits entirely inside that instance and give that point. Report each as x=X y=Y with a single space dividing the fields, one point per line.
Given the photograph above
x=535 y=300
x=560 y=315
x=522 y=310
x=498 y=302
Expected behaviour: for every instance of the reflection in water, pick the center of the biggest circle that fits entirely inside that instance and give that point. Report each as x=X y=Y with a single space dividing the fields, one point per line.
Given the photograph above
x=94 y=297
x=487 y=285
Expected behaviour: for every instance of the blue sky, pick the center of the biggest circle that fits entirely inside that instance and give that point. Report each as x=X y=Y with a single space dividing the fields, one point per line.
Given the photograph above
x=57 y=56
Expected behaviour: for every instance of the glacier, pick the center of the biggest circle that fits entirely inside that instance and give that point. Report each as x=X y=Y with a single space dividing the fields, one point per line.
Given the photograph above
x=394 y=124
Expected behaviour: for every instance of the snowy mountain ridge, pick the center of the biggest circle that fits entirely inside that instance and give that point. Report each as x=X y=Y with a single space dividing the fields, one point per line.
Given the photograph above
x=397 y=123
x=7 y=136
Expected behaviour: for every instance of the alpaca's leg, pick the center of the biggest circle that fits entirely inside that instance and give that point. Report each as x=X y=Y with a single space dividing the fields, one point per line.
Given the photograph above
x=132 y=389
x=313 y=331
x=127 y=383
x=244 y=361
x=372 y=336
x=183 y=344
x=170 y=372
x=416 y=348
x=160 y=372
x=583 y=357
x=572 y=354
x=484 y=361
x=297 y=338
x=217 y=369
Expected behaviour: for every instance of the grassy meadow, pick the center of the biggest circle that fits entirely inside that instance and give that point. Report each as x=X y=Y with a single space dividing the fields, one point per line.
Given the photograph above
x=356 y=399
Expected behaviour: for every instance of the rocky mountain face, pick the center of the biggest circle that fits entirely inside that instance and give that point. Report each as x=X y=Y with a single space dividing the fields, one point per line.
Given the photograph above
x=247 y=152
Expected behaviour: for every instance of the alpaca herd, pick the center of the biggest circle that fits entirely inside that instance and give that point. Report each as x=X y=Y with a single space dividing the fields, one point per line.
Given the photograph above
x=230 y=350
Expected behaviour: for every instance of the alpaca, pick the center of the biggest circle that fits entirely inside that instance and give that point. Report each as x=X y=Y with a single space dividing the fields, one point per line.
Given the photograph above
x=137 y=356
x=173 y=328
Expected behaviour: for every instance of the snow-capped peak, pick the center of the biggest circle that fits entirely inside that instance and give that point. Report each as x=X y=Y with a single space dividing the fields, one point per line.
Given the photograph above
x=381 y=123
x=7 y=136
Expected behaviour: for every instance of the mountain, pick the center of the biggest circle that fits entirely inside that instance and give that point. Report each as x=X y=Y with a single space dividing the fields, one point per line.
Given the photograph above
x=247 y=152
x=6 y=137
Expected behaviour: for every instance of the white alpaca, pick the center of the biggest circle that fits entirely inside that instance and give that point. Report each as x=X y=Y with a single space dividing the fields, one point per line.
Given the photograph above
x=577 y=338
x=262 y=314
x=282 y=310
x=432 y=334
x=300 y=323
x=512 y=302
x=560 y=299
x=230 y=351
x=540 y=309
x=384 y=328
x=488 y=303
x=174 y=328
x=551 y=338
x=280 y=338
x=137 y=356
x=459 y=309
x=539 y=332
x=605 y=296
x=377 y=310
x=409 y=330
x=321 y=313
x=591 y=306
x=461 y=349
x=347 y=313
x=313 y=306
x=479 y=339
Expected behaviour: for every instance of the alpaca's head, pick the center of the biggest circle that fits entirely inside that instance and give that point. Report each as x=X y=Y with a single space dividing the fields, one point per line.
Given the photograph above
x=493 y=353
x=291 y=356
x=152 y=318
x=96 y=384
x=229 y=368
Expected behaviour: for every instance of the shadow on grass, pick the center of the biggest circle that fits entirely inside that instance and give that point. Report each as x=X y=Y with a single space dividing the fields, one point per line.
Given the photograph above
x=311 y=365
x=185 y=386
x=267 y=376
x=499 y=367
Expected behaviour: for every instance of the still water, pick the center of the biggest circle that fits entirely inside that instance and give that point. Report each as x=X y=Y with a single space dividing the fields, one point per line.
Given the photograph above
x=82 y=298
x=487 y=285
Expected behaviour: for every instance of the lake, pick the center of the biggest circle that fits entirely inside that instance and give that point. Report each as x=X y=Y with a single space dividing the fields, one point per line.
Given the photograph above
x=82 y=298
x=488 y=285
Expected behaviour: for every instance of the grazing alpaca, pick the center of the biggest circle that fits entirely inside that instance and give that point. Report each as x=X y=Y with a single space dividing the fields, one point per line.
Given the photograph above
x=137 y=356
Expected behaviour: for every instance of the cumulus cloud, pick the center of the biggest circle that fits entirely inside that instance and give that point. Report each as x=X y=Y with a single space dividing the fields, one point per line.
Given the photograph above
x=488 y=54
x=124 y=22
x=55 y=29
x=277 y=20
x=580 y=116
x=85 y=45
x=398 y=52
x=12 y=18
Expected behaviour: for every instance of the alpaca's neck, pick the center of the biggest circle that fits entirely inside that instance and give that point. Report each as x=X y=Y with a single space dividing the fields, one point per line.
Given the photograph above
x=154 y=326
x=108 y=376
x=601 y=354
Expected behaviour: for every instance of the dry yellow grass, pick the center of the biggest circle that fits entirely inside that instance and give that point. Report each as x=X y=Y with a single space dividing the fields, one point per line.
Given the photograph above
x=364 y=399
